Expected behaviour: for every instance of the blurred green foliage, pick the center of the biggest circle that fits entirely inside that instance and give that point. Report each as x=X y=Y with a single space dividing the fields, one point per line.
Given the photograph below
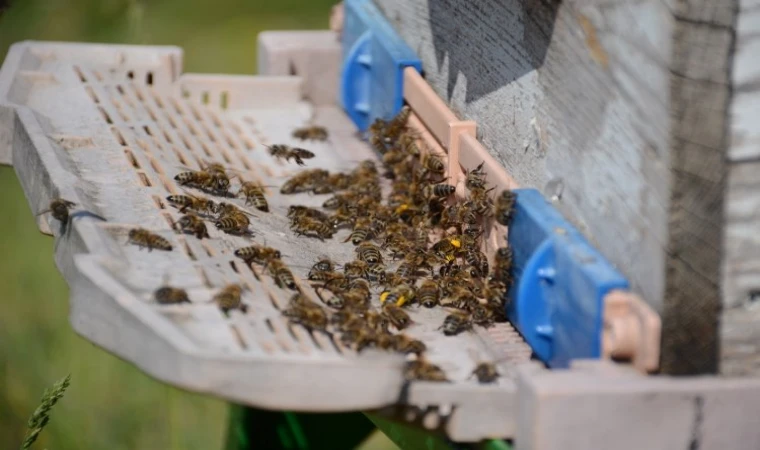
x=110 y=404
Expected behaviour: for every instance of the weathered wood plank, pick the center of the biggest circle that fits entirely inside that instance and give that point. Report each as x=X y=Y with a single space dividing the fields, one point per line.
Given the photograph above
x=617 y=109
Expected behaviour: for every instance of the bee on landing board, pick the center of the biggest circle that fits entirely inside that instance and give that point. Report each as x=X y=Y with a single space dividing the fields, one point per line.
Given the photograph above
x=144 y=238
x=311 y=133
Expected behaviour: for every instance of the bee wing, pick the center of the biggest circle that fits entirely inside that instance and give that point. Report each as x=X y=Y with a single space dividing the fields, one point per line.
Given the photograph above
x=43 y=212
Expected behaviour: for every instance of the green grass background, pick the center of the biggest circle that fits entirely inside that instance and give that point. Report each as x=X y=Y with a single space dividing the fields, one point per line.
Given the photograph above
x=110 y=404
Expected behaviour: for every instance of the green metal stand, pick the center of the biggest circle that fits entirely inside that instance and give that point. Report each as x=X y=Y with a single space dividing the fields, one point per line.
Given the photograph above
x=251 y=429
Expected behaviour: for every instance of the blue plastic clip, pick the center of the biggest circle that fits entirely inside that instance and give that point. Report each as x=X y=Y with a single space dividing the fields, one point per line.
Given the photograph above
x=374 y=58
x=557 y=302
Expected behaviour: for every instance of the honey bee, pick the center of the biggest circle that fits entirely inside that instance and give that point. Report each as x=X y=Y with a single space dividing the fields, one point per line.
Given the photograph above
x=456 y=323
x=254 y=195
x=356 y=299
x=421 y=370
x=346 y=318
x=505 y=206
x=475 y=179
x=356 y=269
x=396 y=316
x=404 y=344
x=377 y=321
x=399 y=295
x=360 y=232
x=282 y=275
x=229 y=298
x=432 y=164
x=197 y=204
x=429 y=294
x=494 y=292
x=305 y=181
x=397 y=125
x=307 y=314
x=369 y=253
x=295 y=211
x=376 y=273
x=321 y=266
x=212 y=179
x=482 y=315
x=258 y=254
x=502 y=270
x=287 y=153
x=485 y=372
x=438 y=190
x=306 y=226
x=190 y=223
x=461 y=297
x=233 y=223
x=334 y=301
x=194 y=178
x=144 y=238
x=447 y=248
x=167 y=295
x=59 y=209
x=359 y=338
x=311 y=133
x=478 y=261
x=332 y=281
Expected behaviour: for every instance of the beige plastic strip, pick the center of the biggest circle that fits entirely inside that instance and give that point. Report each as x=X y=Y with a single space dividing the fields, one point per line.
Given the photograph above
x=631 y=331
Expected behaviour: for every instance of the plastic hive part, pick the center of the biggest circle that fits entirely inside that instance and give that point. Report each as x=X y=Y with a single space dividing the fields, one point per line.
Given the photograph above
x=631 y=331
x=374 y=59
x=561 y=283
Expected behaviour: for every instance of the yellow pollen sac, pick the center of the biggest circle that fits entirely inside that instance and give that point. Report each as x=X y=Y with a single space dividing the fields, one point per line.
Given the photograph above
x=456 y=242
x=402 y=208
x=384 y=296
x=401 y=300
x=450 y=258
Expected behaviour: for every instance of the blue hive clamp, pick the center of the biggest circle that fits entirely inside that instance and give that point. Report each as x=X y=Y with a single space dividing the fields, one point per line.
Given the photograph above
x=557 y=302
x=374 y=58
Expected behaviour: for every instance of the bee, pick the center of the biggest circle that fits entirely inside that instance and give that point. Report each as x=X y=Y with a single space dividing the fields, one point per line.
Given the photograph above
x=376 y=273
x=478 y=261
x=144 y=238
x=485 y=372
x=167 y=295
x=502 y=270
x=377 y=321
x=306 y=226
x=482 y=315
x=282 y=276
x=339 y=181
x=505 y=206
x=447 y=248
x=197 y=204
x=334 y=301
x=481 y=203
x=360 y=232
x=456 y=323
x=429 y=294
x=356 y=299
x=194 y=178
x=404 y=344
x=356 y=269
x=438 y=190
x=345 y=318
x=295 y=211
x=254 y=195
x=421 y=370
x=359 y=338
x=494 y=292
x=190 y=223
x=287 y=153
x=229 y=298
x=311 y=133
x=399 y=295
x=59 y=209
x=306 y=313
x=321 y=266
x=233 y=223
x=397 y=125
x=258 y=254
x=432 y=164
x=369 y=253
x=475 y=179
x=396 y=316
x=461 y=297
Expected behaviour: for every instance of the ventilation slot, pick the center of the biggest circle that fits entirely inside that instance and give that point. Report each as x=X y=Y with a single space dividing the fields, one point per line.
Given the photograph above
x=159 y=202
x=105 y=115
x=180 y=156
x=131 y=75
x=131 y=157
x=147 y=130
x=149 y=78
x=190 y=254
x=239 y=337
x=223 y=100
x=234 y=266
x=91 y=93
x=154 y=164
x=204 y=99
x=204 y=276
x=169 y=220
x=144 y=179
x=209 y=250
x=119 y=137
x=80 y=74
x=120 y=89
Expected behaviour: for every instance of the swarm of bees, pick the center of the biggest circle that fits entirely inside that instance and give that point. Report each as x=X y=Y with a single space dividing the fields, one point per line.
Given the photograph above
x=416 y=245
x=433 y=239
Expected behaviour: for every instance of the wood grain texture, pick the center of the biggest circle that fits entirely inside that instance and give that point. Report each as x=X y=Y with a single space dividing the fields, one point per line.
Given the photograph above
x=619 y=110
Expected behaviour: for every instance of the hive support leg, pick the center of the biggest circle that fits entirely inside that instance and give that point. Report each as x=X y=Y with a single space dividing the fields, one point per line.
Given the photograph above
x=251 y=428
